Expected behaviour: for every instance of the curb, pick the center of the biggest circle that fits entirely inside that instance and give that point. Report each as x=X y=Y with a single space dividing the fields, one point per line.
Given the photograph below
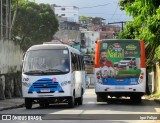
x=12 y=107
x=157 y=101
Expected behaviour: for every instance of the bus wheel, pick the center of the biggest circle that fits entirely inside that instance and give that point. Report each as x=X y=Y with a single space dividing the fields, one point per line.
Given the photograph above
x=28 y=103
x=99 y=99
x=71 y=102
x=136 y=99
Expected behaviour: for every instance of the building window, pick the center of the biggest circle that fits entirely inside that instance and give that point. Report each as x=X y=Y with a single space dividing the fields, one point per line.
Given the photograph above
x=63 y=9
x=62 y=14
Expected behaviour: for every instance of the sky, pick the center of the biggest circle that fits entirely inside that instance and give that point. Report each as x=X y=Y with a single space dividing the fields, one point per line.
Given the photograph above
x=107 y=9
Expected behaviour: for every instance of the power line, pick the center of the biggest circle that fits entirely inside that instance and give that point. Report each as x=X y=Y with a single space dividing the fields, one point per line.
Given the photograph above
x=101 y=13
x=95 y=6
x=114 y=12
x=122 y=14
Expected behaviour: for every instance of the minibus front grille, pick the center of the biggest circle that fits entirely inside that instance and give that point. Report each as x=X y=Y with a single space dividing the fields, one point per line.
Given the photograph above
x=45 y=84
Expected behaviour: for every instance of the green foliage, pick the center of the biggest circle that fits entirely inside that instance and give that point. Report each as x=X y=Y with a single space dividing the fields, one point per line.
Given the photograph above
x=153 y=96
x=157 y=52
x=124 y=3
x=145 y=24
x=131 y=31
x=34 y=24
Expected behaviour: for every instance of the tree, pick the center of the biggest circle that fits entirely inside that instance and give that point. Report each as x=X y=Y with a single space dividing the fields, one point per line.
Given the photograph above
x=145 y=24
x=34 y=24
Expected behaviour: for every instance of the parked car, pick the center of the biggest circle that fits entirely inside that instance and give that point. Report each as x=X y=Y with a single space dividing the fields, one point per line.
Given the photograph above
x=128 y=62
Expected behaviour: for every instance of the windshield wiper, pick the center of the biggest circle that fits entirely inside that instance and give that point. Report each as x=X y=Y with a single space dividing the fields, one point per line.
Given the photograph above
x=52 y=70
x=34 y=71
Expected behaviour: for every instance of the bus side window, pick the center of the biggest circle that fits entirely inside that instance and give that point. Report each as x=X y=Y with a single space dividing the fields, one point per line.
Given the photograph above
x=80 y=62
x=77 y=64
x=83 y=65
x=73 y=62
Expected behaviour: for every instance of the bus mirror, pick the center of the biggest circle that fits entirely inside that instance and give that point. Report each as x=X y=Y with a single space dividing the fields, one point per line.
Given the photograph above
x=23 y=55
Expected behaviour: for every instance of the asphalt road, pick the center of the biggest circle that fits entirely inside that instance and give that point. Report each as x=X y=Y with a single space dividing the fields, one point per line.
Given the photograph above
x=117 y=111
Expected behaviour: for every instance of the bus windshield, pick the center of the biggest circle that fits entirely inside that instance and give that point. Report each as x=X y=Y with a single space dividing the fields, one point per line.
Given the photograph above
x=48 y=61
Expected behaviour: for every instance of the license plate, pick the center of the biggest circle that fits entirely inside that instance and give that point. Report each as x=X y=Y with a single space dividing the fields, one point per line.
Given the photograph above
x=120 y=80
x=119 y=87
x=45 y=90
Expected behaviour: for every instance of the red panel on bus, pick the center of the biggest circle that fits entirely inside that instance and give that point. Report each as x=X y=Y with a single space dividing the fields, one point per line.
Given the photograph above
x=142 y=47
x=97 y=55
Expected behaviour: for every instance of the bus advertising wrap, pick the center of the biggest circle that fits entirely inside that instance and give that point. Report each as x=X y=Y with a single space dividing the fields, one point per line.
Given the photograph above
x=119 y=64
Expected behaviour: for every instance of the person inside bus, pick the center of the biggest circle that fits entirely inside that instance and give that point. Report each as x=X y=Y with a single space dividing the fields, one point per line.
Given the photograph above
x=63 y=66
x=107 y=66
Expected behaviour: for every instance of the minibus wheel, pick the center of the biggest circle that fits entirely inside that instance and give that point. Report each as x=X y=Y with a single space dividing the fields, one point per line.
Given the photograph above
x=28 y=103
x=71 y=100
x=80 y=100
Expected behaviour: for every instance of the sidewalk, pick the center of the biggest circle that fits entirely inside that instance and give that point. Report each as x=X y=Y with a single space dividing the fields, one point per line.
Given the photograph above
x=11 y=103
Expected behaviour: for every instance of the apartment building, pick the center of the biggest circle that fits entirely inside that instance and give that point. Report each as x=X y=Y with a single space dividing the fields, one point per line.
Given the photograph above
x=68 y=13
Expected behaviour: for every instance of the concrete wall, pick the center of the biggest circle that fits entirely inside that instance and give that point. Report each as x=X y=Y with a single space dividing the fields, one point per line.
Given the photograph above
x=10 y=69
x=10 y=57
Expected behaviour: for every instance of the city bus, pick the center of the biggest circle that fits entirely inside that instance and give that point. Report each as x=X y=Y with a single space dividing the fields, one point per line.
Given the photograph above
x=53 y=73
x=120 y=69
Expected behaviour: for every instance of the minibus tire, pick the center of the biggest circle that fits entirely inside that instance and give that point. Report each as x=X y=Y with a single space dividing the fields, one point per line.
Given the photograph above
x=28 y=103
x=80 y=100
x=71 y=102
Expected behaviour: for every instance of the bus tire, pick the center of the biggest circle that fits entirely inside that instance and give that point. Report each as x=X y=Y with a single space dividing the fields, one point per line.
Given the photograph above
x=99 y=99
x=136 y=99
x=28 y=103
x=102 y=98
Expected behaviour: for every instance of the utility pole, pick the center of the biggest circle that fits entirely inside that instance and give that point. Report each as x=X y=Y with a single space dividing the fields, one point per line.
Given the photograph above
x=7 y=19
x=1 y=15
x=10 y=19
x=122 y=22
